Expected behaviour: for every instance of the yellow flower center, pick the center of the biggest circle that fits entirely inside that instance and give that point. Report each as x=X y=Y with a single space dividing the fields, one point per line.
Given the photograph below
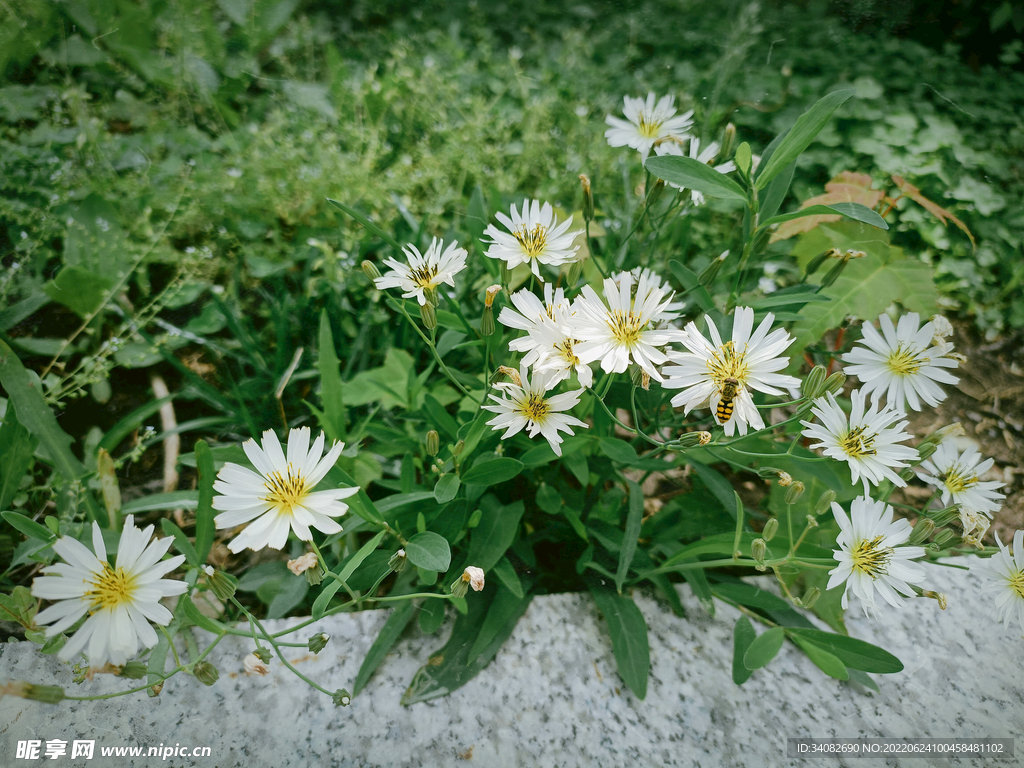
x=904 y=362
x=564 y=350
x=726 y=364
x=1016 y=583
x=423 y=277
x=285 y=491
x=626 y=327
x=856 y=444
x=648 y=127
x=533 y=241
x=871 y=558
x=535 y=408
x=110 y=588
x=958 y=480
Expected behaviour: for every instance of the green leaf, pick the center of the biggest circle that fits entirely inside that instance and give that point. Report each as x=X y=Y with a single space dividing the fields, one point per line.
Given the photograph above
x=788 y=297
x=357 y=559
x=327 y=593
x=577 y=464
x=742 y=636
x=629 y=539
x=494 y=534
x=750 y=596
x=171 y=500
x=446 y=488
x=697 y=578
x=628 y=629
x=17 y=446
x=292 y=591
x=549 y=499
x=718 y=485
x=764 y=648
x=331 y=387
x=204 y=508
x=429 y=551
x=492 y=472
x=502 y=609
x=441 y=418
x=775 y=194
x=79 y=289
x=30 y=528
x=199 y=619
x=854 y=211
x=396 y=500
x=386 y=638
x=691 y=283
x=508 y=577
x=432 y=615
x=822 y=659
x=617 y=450
x=19 y=606
x=854 y=653
x=108 y=486
x=800 y=136
x=693 y=174
x=366 y=223
x=181 y=542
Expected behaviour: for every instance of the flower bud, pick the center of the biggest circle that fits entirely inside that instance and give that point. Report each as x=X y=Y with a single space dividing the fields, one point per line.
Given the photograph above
x=814 y=264
x=711 y=270
x=317 y=642
x=48 y=694
x=785 y=479
x=588 y=198
x=906 y=474
x=742 y=159
x=794 y=492
x=430 y=294
x=575 y=273
x=433 y=442
x=824 y=503
x=222 y=584
x=689 y=439
x=758 y=549
x=370 y=270
x=458 y=448
x=925 y=450
x=814 y=385
x=263 y=654
x=945 y=538
x=834 y=383
x=812 y=521
x=205 y=673
x=314 y=575
x=728 y=140
x=833 y=274
x=635 y=374
x=134 y=670
x=769 y=473
x=654 y=194
x=810 y=597
x=922 y=531
x=428 y=316
x=341 y=698
x=945 y=516
x=398 y=561
x=770 y=529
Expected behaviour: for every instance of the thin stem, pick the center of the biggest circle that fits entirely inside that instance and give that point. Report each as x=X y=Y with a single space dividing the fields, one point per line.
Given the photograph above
x=433 y=351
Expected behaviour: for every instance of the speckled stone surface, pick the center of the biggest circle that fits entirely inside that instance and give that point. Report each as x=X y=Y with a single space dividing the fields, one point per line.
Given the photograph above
x=552 y=697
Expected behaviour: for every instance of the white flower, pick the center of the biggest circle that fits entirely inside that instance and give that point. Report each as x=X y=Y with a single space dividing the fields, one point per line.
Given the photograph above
x=901 y=363
x=623 y=328
x=957 y=476
x=254 y=666
x=868 y=441
x=870 y=556
x=671 y=311
x=707 y=157
x=1005 y=574
x=281 y=497
x=532 y=313
x=556 y=344
x=424 y=272
x=120 y=601
x=532 y=238
x=974 y=525
x=647 y=123
x=526 y=405
x=712 y=370
x=475 y=577
x=942 y=328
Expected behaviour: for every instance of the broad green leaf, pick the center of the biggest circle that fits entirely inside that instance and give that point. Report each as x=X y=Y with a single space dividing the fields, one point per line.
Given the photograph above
x=386 y=638
x=776 y=191
x=691 y=284
x=79 y=289
x=793 y=296
x=854 y=653
x=717 y=484
x=30 y=528
x=854 y=211
x=507 y=575
x=617 y=450
x=693 y=174
x=330 y=589
x=204 y=507
x=629 y=539
x=357 y=559
x=397 y=500
x=742 y=636
x=432 y=615
x=764 y=647
x=549 y=499
x=441 y=418
x=202 y=621
x=19 y=606
x=292 y=591
x=446 y=488
x=505 y=604
x=332 y=394
x=17 y=446
x=628 y=629
x=800 y=136
x=697 y=578
x=492 y=472
x=577 y=464
x=430 y=551
x=494 y=535
x=181 y=542
x=822 y=659
x=171 y=500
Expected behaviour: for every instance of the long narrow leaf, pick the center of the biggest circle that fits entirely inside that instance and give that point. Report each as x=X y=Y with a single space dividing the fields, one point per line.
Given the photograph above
x=204 y=507
x=629 y=637
x=633 y=520
x=366 y=223
x=693 y=174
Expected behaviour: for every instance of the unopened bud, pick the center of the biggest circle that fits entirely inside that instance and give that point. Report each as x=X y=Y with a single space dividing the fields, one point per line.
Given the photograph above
x=785 y=479
x=946 y=516
x=833 y=274
x=458 y=448
x=925 y=450
x=812 y=521
x=824 y=502
x=689 y=440
x=635 y=372
x=742 y=159
x=314 y=575
x=654 y=194
x=794 y=492
x=769 y=473
x=433 y=442
x=398 y=561
x=428 y=316
x=711 y=270
x=222 y=584
x=811 y=597
x=318 y=642
x=814 y=385
x=370 y=270
x=814 y=264
x=205 y=673
x=770 y=528
x=263 y=654
x=943 y=538
x=134 y=670
x=341 y=698
x=48 y=694
x=588 y=198
x=575 y=273
x=922 y=531
x=728 y=140
x=758 y=549
x=834 y=383
x=906 y=474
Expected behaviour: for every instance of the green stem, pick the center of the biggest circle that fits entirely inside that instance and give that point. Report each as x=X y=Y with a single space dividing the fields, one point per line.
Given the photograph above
x=433 y=351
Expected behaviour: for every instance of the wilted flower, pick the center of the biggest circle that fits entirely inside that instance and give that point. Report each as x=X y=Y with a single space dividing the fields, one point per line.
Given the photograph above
x=300 y=565
x=254 y=666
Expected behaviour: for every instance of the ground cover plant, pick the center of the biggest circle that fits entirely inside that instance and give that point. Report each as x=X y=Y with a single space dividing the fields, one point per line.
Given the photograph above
x=439 y=320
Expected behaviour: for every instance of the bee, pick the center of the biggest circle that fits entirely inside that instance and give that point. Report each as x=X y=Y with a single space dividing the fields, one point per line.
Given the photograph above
x=723 y=412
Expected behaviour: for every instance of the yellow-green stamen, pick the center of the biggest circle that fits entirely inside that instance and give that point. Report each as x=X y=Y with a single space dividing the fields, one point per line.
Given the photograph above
x=110 y=588
x=533 y=241
x=535 y=408
x=423 y=277
x=286 y=492
x=958 y=480
x=870 y=558
x=1016 y=583
x=903 y=362
x=626 y=327
x=726 y=364
x=647 y=127
x=856 y=444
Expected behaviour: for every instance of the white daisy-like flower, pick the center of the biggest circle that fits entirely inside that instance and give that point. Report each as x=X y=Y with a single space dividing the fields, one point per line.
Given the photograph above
x=671 y=311
x=281 y=497
x=532 y=313
x=871 y=557
x=424 y=272
x=556 y=347
x=722 y=374
x=901 y=362
x=527 y=405
x=868 y=441
x=533 y=238
x=1004 y=573
x=623 y=328
x=647 y=124
x=120 y=600
x=957 y=476
x=707 y=157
